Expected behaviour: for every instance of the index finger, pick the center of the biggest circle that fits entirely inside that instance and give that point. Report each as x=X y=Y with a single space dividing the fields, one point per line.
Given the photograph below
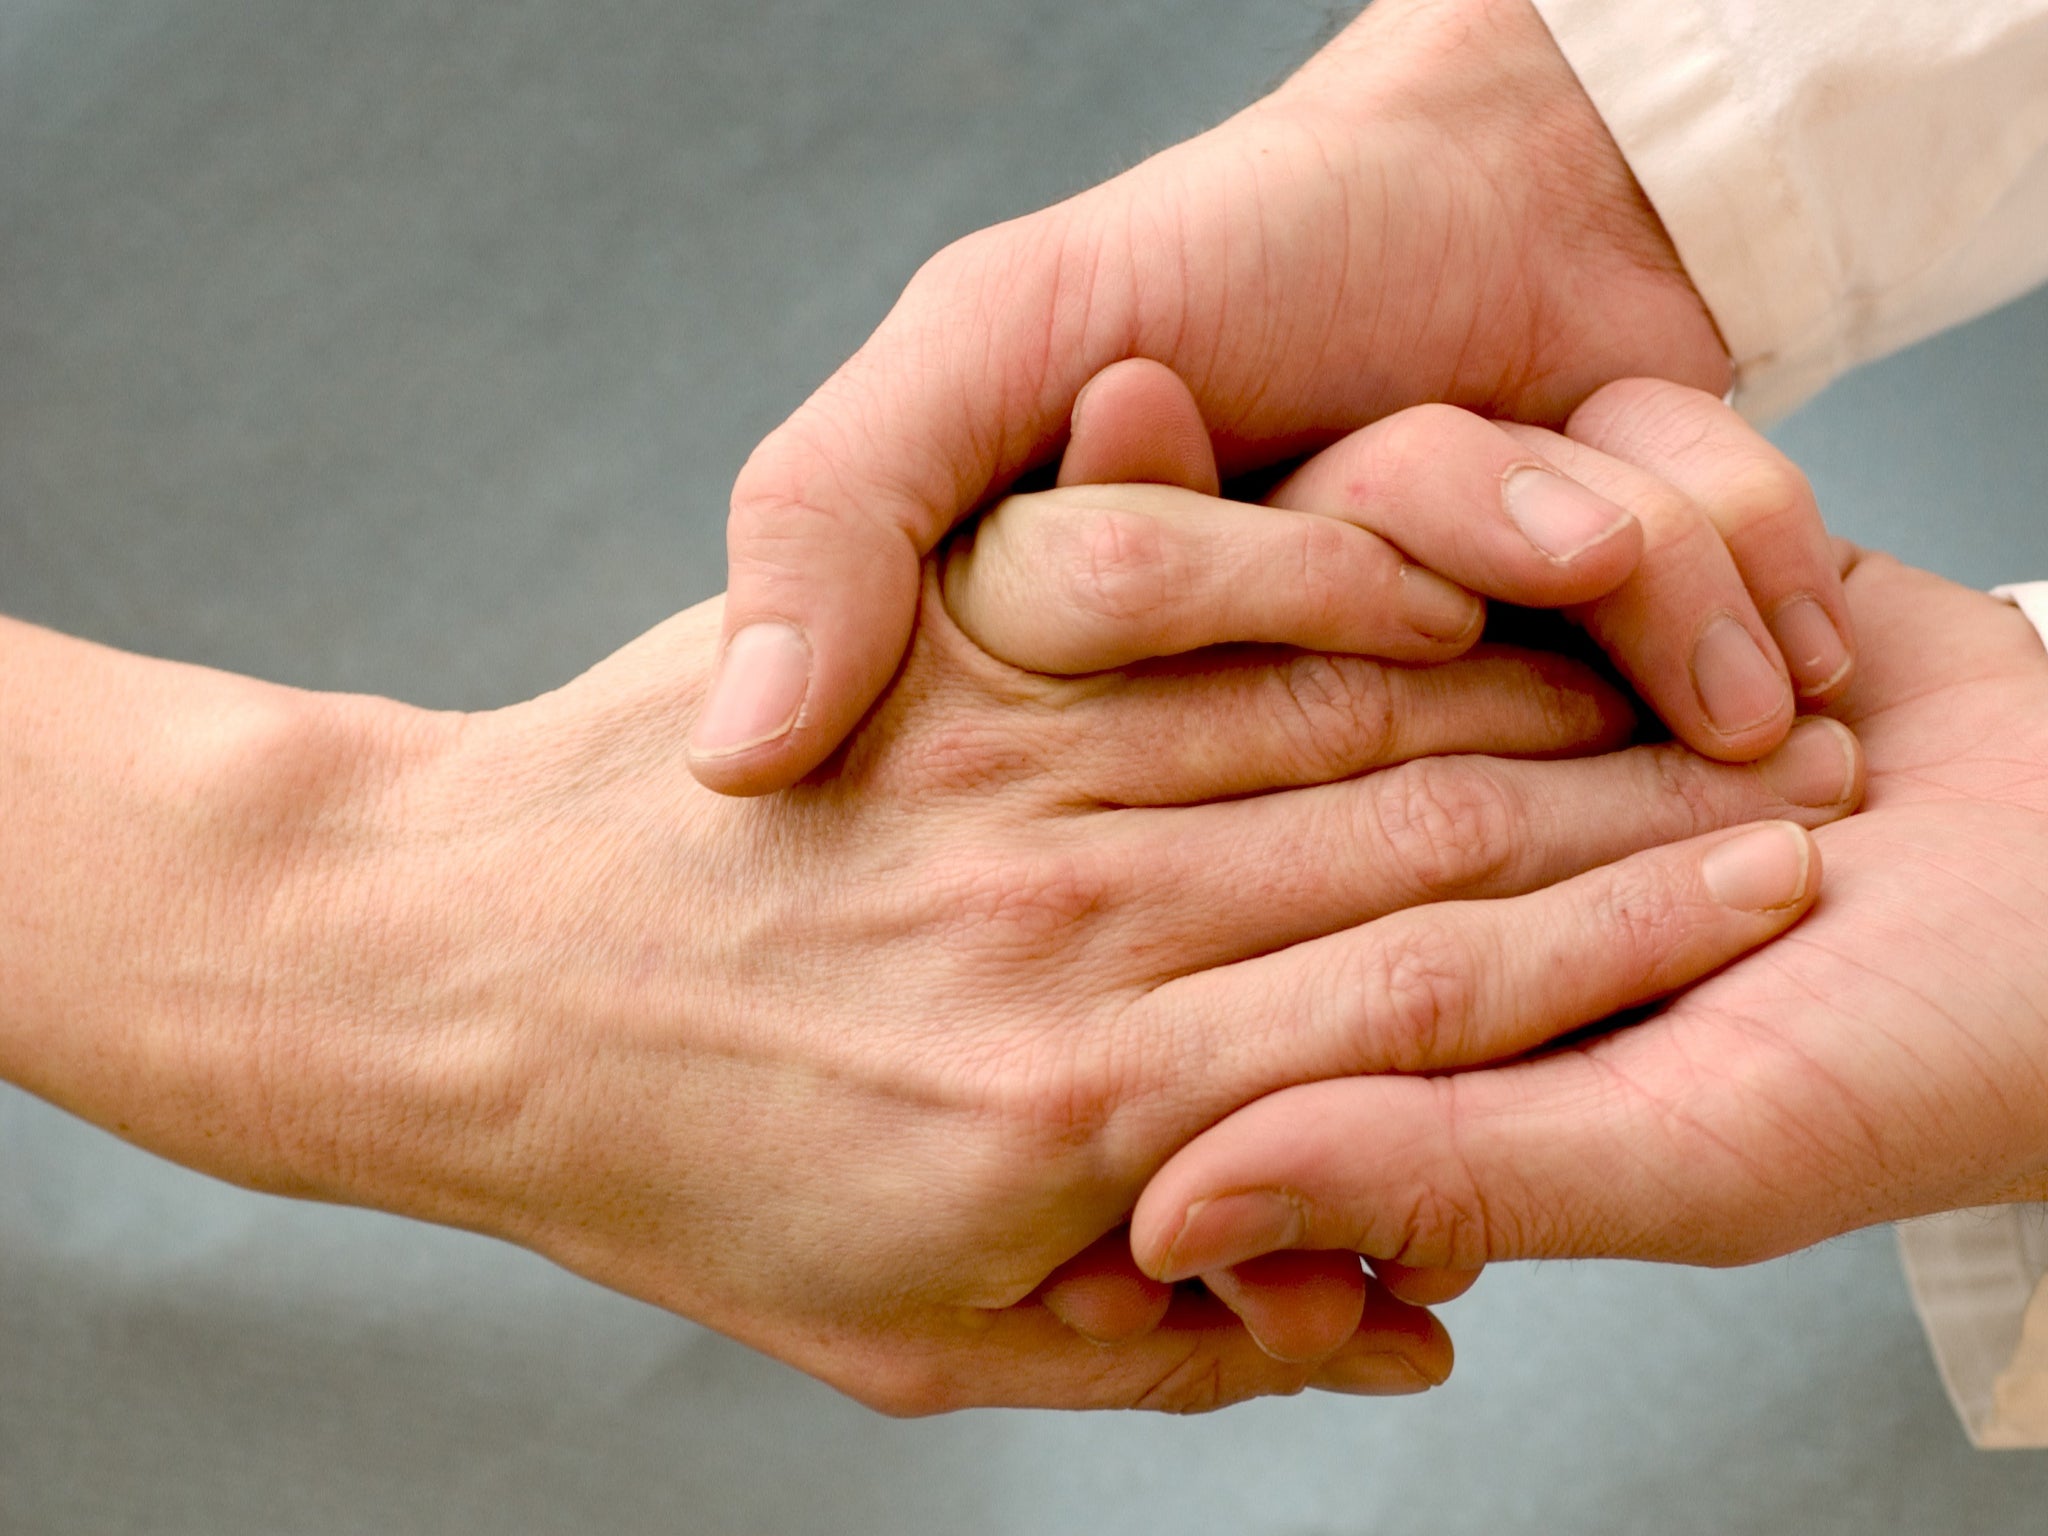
x=1759 y=500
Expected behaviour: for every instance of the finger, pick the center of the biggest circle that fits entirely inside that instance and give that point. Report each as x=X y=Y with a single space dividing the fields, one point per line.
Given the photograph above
x=1294 y=867
x=1103 y=1296
x=1762 y=504
x=1423 y=1287
x=1398 y=1350
x=1644 y=1144
x=1201 y=1358
x=1683 y=628
x=1304 y=1304
x=1300 y=1307
x=1094 y=577
x=1186 y=732
x=1460 y=985
x=1136 y=422
x=1469 y=501
x=834 y=510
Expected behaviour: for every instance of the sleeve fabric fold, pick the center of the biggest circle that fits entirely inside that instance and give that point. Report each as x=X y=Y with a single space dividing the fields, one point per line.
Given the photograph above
x=1841 y=178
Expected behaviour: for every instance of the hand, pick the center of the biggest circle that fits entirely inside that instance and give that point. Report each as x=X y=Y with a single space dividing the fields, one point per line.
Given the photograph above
x=1291 y=265
x=848 y=1072
x=1149 y=570
x=1355 y=554
x=1887 y=1058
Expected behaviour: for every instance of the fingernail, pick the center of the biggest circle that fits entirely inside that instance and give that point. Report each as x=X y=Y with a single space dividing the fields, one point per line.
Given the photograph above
x=1737 y=685
x=1229 y=1288
x=1815 y=767
x=1437 y=608
x=1812 y=645
x=1372 y=1376
x=1230 y=1229
x=1559 y=516
x=761 y=686
x=1761 y=870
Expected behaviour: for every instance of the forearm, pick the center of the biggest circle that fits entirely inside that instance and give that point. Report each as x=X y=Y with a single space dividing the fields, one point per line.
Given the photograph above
x=178 y=860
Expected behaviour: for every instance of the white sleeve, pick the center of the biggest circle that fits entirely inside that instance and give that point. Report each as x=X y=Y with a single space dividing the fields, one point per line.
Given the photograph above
x=1980 y=1284
x=1840 y=177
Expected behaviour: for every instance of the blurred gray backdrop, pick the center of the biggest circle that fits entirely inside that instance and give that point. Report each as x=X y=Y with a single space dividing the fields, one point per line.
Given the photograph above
x=411 y=346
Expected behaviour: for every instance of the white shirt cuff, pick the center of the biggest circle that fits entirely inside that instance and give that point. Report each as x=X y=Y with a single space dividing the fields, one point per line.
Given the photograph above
x=1670 y=85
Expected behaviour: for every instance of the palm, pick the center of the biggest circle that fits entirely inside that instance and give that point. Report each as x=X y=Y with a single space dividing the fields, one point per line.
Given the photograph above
x=1887 y=1057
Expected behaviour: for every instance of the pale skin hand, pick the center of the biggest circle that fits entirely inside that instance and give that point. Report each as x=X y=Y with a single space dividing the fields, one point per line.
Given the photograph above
x=1355 y=550
x=1151 y=569
x=1430 y=211
x=1887 y=1058
x=846 y=1073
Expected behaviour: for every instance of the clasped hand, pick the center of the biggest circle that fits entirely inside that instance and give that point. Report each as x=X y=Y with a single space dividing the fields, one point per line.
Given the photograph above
x=851 y=1071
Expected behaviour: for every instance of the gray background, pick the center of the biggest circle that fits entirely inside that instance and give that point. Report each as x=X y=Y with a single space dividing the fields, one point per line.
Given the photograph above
x=412 y=347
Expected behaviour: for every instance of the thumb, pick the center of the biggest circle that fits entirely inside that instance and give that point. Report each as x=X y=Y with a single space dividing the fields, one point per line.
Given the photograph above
x=964 y=385
x=1627 y=1147
x=1137 y=421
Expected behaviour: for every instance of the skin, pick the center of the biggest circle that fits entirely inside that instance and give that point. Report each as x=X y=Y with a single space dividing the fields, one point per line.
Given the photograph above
x=1177 y=572
x=1429 y=211
x=848 y=1073
x=870 y=1075
x=1885 y=1059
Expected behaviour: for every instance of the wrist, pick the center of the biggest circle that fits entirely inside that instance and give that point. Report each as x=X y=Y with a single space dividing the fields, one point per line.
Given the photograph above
x=307 y=1050
x=178 y=871
x=1475 y=98
x=480 y=948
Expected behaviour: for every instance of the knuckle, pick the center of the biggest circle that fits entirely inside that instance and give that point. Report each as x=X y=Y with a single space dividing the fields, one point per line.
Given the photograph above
x=1644 y=417
x=1325 y=556
x=970 y=756
x=1411 y=439
x=1027 y=904
x=1400 y=451
x=1116 y=566
x=1415 y=990
x=1193 y=1385
x=1639 y=915
x=1202 y=1382
x=1336 y=714
x=1569 y=704
x=1768 y=498
x=1682 y=792
x=820 y=470
x=1449 y=1219
x=779 y=500
x=1044 y=284
x=1052 y=1104
x=1443 y=1227
x=1767 y=491
x=950 y=264
x=958 y=275
x=1670 y=518
x=1448 y=823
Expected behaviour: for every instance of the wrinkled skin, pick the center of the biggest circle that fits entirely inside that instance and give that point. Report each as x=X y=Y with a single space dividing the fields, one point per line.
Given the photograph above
x=1887 y=1058
x=1431 y=210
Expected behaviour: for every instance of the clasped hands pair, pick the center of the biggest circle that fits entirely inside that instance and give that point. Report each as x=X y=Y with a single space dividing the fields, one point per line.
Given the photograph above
x=873 y=1073
x=891 y=1074
x=1198 y=901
